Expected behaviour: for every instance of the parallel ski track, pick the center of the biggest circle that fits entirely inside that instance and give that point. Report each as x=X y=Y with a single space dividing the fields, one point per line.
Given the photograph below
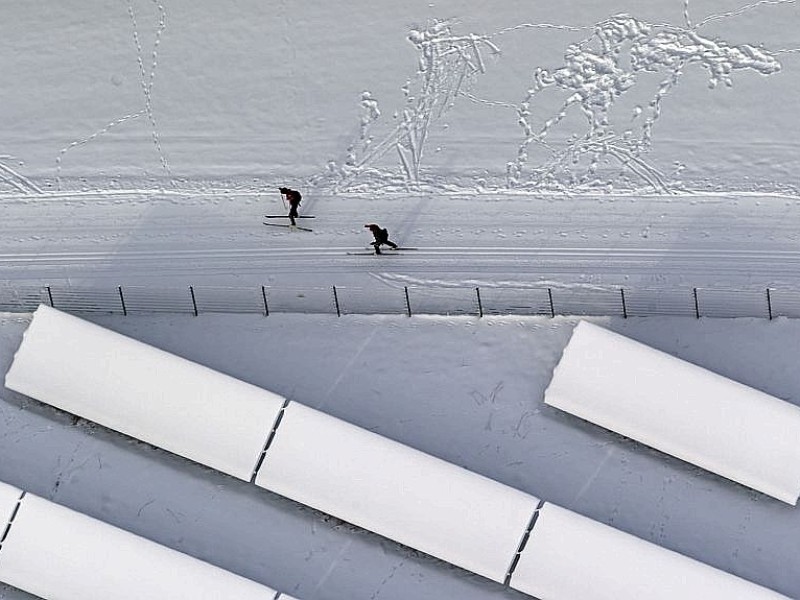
x=440 y=258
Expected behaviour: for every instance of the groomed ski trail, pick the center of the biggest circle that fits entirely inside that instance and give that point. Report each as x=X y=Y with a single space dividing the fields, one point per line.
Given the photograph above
x=697 y=265
x=161 y=238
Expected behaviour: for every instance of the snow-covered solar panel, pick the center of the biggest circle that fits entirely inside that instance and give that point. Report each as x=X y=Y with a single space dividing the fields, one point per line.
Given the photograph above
x=681 y=409
x=144 y=392
x=57 y=553
x=396 y=491
x=315 y=459
x=570 y=557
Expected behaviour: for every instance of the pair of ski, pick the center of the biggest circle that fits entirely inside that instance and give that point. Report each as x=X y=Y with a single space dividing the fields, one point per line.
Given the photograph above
x=390 y=252
x=288 y=226
x=387 y=252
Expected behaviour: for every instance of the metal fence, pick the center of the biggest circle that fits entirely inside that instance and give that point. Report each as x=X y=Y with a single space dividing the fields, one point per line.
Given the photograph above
x=411 y=300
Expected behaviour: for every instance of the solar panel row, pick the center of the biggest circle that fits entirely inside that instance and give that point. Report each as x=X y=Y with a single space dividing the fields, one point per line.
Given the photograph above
x=408 y=496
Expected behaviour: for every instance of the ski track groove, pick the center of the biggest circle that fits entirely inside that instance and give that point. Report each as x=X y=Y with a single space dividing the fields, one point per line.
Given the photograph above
x=454 y=259
x=206 y=238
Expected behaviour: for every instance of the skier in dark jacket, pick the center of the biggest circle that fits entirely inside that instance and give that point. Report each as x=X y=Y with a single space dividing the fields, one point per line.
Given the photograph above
x=293 y=197
x=381 y=236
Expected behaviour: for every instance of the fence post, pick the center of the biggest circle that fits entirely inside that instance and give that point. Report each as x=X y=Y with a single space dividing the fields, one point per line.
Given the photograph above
x=50 y=296
x=552 y=306
x=408 y=302
x=122 y=301
x=624 y=306
x=769 y=304
x=696 y=304
x=480 y=304
x=264 y=296
x=336 y=301
x=194 y=300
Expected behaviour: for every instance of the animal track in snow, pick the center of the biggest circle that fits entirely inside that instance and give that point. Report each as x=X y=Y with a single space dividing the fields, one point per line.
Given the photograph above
x=146 y=81
x=599 y=70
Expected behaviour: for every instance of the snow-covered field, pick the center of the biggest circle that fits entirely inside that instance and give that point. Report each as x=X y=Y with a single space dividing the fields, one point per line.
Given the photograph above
x=570 y=144
x=104 y=94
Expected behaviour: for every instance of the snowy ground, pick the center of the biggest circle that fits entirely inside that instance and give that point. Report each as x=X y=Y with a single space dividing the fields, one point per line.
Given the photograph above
x=734 y=240
x=467 y=390
x=643 y=144
x=100 y=94
x=142 y=141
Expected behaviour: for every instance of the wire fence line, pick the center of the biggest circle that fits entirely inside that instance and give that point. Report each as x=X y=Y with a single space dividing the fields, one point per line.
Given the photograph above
x=626 y=302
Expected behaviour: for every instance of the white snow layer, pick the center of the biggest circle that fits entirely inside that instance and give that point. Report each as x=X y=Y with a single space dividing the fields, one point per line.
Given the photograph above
x=571 y=556
x=59 y=554
x=396 y=491
x=144 y=392
x=339 y=468
x=363 y=478
x=681 y=409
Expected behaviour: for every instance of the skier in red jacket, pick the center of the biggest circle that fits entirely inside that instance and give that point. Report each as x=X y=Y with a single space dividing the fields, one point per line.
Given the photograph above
x=381 y=236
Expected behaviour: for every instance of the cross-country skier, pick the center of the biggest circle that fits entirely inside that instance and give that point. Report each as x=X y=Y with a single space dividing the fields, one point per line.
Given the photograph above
x=293 y=197
x=381 y=237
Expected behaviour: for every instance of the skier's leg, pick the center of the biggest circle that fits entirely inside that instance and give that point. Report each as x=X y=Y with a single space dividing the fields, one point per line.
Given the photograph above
x=377 y=246
x=392 y=244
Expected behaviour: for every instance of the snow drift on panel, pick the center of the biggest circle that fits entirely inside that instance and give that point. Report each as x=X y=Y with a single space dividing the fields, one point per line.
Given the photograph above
x=396 y=491
x=144 y=392
x=569 y=556
x=681 y=409
x=59 y=554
